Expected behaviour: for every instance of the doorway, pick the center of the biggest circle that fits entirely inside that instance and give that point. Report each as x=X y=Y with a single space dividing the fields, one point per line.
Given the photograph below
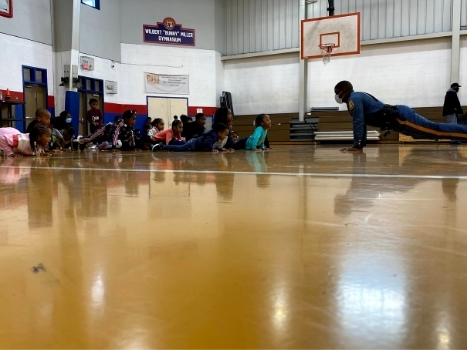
x=89 y=88
x=84 y=99
x=167 y=108
x=35 y=91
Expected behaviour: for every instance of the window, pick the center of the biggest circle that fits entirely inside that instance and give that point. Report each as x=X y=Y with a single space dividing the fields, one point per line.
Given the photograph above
x=90 y=85
x=32 y=75
x=38 y=76
x=27 y=74
x=92 y=3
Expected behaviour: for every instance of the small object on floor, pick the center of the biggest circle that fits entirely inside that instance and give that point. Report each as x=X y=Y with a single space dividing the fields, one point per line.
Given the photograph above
x=36 y=269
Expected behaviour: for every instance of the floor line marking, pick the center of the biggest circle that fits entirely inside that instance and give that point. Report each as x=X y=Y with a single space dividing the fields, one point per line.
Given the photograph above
x=401 y=176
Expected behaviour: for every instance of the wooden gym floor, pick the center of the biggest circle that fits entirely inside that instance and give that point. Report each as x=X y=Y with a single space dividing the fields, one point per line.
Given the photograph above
x=302 y=247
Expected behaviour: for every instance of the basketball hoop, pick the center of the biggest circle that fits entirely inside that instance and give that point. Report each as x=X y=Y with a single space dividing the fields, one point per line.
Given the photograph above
x=326 y=50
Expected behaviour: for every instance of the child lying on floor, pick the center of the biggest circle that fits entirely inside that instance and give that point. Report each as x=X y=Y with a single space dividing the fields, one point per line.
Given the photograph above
x=16 y=144
x=211 y=141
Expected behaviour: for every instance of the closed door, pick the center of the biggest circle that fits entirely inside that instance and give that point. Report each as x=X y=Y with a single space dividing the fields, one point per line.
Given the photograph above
x=35 y=98
x=167 y=108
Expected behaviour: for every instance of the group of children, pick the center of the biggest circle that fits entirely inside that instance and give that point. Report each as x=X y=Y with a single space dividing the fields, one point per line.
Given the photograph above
x=43 y=138
x=192 y=136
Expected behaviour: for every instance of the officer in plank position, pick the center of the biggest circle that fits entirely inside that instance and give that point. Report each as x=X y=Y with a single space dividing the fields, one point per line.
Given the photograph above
x=368 y=110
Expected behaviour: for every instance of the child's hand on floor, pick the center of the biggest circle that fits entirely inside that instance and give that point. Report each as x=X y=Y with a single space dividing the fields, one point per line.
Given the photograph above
x=15 y=156
x=215 y=151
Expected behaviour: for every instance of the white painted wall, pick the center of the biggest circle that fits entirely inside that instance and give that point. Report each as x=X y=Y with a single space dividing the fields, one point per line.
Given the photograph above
x=220 y=77
x=204 y=68
x=263 y=84
x=416 y=74
x=413 y=73
x=17 y=52
x=200 y=65
x=463 y=73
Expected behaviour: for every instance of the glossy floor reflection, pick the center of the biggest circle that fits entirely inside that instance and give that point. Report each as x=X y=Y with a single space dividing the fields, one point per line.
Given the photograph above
x=302 y=247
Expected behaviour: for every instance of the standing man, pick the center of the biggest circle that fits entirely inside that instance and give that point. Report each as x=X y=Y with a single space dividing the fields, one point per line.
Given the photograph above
x=452 y=107
x=368 y=110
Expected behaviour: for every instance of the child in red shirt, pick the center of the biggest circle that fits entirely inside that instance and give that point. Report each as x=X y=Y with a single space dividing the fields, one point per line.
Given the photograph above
x=94 y=116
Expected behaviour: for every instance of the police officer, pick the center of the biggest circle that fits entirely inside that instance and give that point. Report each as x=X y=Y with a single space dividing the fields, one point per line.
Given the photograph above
x=368 y=110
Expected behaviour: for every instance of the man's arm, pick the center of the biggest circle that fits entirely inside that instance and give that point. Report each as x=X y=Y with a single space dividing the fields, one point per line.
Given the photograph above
x=358 y=120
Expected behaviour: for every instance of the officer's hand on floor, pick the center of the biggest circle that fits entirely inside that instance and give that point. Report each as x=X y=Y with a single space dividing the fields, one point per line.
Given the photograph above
x=350 y=150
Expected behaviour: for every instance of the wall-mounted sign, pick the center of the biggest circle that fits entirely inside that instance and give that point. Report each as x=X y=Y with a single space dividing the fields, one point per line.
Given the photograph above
x=6 y=8
x=167 y=84
x=168 y=32
x=86 y=63
x=111 y=87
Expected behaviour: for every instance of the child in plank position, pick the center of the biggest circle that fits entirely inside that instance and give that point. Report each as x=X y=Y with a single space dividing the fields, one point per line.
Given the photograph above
x=42 y=117
x=211 y=141
x=123 y=137
x=196 y=129
x=15 y=144
x=101 y=136
x=119 y=135
x=256 y=141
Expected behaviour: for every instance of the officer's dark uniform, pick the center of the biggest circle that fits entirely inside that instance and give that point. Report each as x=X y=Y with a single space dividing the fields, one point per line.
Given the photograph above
x=367 y=110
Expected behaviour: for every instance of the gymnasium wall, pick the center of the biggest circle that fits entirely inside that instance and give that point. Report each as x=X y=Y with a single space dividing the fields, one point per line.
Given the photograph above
x=203 y=67
x=263 y=84
x=26 y=52
x=100 y=30
x=202 y=15
x=464 y=14
x=463 y=72
x=31 y=20
x=26 y=39
x=412 y=73
x=115 y=33
x=268 y=25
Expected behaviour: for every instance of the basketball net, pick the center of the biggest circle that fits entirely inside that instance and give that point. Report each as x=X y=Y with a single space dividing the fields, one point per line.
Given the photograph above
x=326 y=50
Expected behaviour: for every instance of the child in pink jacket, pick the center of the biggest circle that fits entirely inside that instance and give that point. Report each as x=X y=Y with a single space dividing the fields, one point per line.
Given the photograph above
x=16 y=144
x=174 y=133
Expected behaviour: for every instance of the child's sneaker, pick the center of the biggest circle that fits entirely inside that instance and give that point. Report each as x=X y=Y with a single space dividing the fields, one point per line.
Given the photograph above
x=78 y=139
x=157 y=147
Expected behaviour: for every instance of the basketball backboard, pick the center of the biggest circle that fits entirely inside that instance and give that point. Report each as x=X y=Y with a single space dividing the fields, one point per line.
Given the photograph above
x=342 y=31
